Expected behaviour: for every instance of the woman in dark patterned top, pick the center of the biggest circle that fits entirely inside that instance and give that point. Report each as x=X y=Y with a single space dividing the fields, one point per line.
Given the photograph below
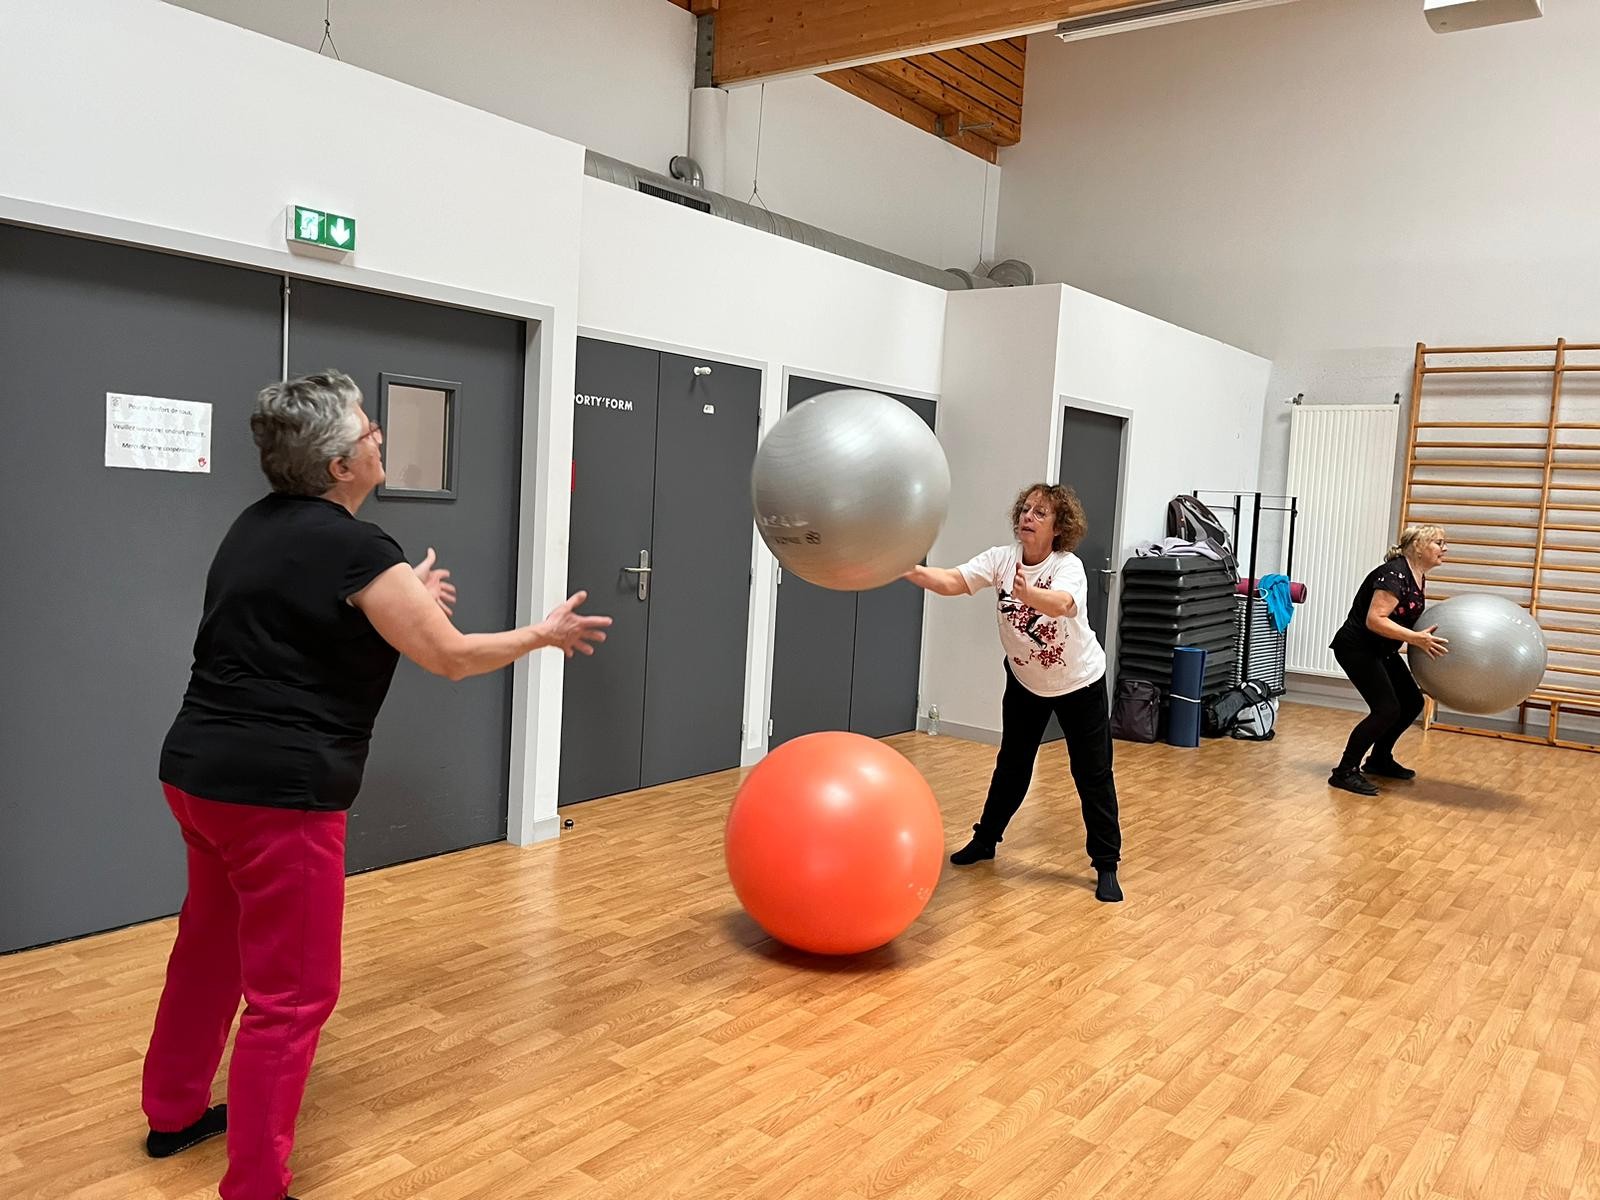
x=1382 y=617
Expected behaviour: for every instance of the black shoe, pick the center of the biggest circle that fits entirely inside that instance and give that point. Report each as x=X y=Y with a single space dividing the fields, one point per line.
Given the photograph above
x=1388 y=768
x=974 y=851
x=1352 y=780
x=212 y=1122
x=1108 y=890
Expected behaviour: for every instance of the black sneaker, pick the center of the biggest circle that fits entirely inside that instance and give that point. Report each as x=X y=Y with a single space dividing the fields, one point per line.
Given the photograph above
x=1352 y=780
x=977 y=850
x=212 y=1122
x=1388 y=768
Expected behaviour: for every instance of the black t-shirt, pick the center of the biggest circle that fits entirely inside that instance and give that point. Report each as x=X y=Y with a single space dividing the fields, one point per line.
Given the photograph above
x=1394 y=577
x=288 y=677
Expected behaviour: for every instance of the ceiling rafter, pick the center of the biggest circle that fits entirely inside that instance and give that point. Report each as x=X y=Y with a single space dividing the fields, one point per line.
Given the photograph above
x=952 y=68
x=772 y=39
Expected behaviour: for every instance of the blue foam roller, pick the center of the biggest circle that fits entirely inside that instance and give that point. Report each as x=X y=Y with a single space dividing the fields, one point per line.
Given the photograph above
x=1188 y=678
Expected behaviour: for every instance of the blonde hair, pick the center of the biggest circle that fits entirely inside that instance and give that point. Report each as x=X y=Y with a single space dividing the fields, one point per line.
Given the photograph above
x=1413 y=535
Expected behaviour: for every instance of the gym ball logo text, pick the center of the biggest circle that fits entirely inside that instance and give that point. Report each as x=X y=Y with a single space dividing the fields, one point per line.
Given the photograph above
x=773 y=522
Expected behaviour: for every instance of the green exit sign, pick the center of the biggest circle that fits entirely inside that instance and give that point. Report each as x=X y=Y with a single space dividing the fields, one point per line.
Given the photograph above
x=314 y=227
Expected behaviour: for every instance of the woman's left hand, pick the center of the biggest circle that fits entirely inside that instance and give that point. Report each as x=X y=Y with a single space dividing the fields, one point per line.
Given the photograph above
x=437 y=582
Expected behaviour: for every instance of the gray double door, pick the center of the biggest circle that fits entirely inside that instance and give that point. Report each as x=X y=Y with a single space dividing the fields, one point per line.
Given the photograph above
x=661 y=539
x=110 y=563
x=1091 y=464
x=846 y=660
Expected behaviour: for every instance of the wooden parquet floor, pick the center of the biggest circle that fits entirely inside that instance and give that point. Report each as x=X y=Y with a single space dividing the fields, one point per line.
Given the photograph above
x=1307 y=994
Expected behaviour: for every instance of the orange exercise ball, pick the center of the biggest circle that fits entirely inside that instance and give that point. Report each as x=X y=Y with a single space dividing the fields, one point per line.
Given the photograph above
x=834 y=843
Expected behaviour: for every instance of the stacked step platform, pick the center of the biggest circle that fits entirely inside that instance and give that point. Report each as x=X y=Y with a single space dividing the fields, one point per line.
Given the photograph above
x=1172 y=601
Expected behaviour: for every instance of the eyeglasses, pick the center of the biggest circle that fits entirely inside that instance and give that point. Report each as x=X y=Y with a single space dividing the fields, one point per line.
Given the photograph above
x=374 y=432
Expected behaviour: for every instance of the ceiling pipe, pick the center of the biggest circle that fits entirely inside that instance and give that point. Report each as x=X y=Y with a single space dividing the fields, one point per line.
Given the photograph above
x=678 y=189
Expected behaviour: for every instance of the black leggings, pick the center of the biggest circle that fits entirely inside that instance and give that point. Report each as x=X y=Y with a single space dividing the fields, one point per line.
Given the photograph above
x=1385 y=683
x=1085 y=717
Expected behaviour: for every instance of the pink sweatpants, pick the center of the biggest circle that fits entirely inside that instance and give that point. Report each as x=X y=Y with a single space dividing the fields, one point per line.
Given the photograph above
x=263 y=918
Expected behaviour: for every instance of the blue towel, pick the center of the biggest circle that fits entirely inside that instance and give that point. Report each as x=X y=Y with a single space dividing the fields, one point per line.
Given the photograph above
x=1275 y=590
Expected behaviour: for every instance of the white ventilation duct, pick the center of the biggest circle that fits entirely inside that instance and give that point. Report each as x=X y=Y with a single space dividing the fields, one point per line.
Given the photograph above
x=680 y=190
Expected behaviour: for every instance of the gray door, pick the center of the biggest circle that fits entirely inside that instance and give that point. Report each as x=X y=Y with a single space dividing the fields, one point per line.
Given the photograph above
x=109 y=563
x=846 y=660
x=437 y=776
x=708 y=422
x=613 y=498
x=1091 y=463
x=813 y=659
x=662 y=450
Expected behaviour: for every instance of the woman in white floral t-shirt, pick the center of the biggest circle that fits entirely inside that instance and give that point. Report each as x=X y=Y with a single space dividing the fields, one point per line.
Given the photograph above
x=1054 y=664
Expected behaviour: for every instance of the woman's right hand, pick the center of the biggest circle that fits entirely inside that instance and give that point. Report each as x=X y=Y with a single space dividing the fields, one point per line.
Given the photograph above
x=1430 y=644
x=572 y=631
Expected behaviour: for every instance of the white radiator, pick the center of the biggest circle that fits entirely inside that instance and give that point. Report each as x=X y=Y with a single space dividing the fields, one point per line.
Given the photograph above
x=1341 y=467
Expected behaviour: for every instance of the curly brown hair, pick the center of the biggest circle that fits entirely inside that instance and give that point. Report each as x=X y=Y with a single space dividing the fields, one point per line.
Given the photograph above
x=1070 y=522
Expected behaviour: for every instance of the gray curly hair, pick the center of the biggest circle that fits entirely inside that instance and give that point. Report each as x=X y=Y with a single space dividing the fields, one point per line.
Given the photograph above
x=301 y=425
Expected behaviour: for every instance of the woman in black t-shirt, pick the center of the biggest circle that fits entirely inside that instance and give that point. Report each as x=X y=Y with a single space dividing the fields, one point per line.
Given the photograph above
x=1382 y=617
x=307 y=612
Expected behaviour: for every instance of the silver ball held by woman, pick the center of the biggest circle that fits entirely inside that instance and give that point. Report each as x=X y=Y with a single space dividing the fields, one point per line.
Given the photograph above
x=850 y=489
x=1497 y=654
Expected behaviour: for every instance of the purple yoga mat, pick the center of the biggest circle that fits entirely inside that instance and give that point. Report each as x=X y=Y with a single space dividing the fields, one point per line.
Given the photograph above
x=1297 y=591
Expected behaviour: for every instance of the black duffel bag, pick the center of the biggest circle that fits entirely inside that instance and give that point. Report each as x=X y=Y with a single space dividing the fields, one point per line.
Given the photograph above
x=1136 y=711
x=1220 y=713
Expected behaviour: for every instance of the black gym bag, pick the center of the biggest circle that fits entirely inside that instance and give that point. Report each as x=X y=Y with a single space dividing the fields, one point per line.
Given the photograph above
x=1136 y=712
x=1245 y=711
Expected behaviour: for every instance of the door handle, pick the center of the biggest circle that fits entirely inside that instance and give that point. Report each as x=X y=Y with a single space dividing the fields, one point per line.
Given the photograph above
x=643 y=572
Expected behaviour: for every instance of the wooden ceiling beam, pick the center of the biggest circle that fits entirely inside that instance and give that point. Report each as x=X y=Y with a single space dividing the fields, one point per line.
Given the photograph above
x=771 y=39
x=927 y=77
x=942 y=125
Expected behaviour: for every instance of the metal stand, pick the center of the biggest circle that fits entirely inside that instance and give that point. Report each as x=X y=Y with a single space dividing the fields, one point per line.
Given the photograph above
x=1258 y=504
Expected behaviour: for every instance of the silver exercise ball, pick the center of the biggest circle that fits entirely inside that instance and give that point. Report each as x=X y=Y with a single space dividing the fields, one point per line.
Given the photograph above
x=1497 y=654
x=850 y=489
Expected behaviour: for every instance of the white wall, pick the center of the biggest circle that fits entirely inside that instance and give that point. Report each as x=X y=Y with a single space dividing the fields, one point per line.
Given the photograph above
x=1325 y=183
x=836 y=162
x=152 y=125
x=1010 y=356
x=148 y=113
x=615 y=75
x=1196 y=404
x=1321 y=176
x=659 y=274
x=1000 y=387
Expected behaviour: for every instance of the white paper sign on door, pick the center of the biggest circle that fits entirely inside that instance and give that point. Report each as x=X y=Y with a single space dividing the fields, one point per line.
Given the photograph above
x=151 y=433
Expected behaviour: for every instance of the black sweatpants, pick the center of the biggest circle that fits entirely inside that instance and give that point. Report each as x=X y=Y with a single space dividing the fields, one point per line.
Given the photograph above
x=1085 y=717
x=1385 y=683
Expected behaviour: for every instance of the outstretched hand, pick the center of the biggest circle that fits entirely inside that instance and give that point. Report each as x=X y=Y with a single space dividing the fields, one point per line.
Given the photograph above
x=571 y=630
x=1429 y=644
x=437 y=583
